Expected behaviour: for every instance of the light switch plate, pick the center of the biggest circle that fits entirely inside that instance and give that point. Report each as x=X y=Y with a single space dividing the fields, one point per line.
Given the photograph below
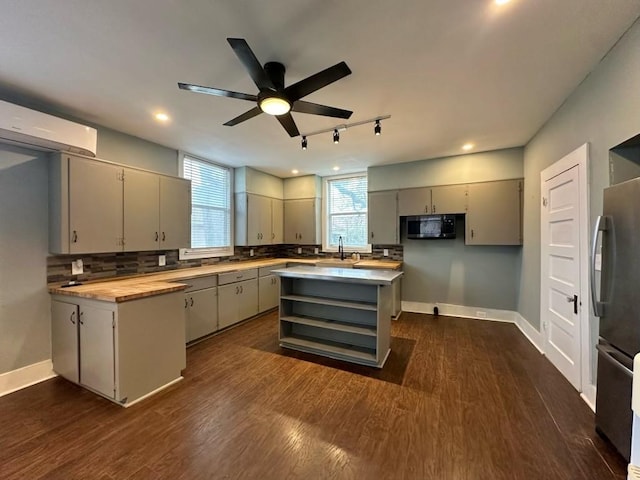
x=77 y=267
x=316 y=250
x=299 y=250
x=251 y=252
x=162 y=260
x=385 y=252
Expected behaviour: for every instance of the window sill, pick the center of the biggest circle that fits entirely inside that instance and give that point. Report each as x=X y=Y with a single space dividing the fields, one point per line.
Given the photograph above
x=197 y=253
x=347 y=250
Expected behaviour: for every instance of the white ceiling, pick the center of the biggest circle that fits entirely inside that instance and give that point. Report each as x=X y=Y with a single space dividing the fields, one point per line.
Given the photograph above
x=447 y=71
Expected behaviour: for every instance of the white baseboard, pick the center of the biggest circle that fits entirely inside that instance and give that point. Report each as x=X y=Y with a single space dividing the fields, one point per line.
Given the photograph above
x=25 y=377
x=589 y=396
x=533 y=335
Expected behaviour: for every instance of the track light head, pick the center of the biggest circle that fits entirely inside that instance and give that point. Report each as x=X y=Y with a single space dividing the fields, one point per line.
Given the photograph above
x=336 y=136
x=304 y=142
x=378 y=128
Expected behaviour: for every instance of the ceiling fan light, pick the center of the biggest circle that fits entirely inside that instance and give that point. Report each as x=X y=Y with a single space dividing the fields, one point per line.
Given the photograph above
x=274 y=106
x=378 y=128
x=336 y=136
x=304 y=142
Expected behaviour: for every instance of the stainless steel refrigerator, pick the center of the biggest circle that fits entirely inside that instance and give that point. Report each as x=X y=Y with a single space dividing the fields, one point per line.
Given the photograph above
x=619 y=310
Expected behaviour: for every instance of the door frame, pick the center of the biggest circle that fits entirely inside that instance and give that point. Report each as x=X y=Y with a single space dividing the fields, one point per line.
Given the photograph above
x=580 y=158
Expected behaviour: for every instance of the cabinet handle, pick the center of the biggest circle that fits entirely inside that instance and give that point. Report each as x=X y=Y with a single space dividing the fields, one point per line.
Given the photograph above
x=192 y=301
x=472 y=233
x=73 y=314
x=186 y=303
x=273 y=235
x=74 y=237
x=241 y=289
x=433 y=209
x=426 y=209
x=237 y=290
x=157 y=236
x=163 y=237
x=371 y=234
x=81 y=315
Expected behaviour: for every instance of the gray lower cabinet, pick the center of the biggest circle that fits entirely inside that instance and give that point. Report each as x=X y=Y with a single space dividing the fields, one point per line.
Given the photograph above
x=237 y=296
x=268 y=293
x=122 y=351
x=201 y=317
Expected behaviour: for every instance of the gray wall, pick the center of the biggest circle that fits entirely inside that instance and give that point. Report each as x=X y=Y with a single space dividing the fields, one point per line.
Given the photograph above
x=448 y=271
x=603 y=111
x=24 y=301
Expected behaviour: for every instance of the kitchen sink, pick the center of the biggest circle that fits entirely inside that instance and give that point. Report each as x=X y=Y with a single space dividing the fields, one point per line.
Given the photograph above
x=336 y=262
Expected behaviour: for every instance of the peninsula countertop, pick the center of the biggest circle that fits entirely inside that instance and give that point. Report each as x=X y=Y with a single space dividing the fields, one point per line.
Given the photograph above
x=346 y=275
x=146 y=285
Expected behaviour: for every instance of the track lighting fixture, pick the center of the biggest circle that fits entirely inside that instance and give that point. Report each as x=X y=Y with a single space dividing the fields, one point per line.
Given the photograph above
x=336 y=136
x=377 y=129
x=304 y=142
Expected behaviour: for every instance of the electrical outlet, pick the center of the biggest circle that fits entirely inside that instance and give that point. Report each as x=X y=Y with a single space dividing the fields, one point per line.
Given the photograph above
x=316 y=250
x=77 y=267
x=251 y=252
x=162 y=260
x=481 y=314
x=385 y=252
x=299 y=250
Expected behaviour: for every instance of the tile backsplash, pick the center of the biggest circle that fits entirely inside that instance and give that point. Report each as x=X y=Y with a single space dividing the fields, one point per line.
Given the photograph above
x=121 y=264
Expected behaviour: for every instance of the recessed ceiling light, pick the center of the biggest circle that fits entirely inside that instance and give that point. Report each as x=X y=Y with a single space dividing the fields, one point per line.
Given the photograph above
x=467 y=146
x=502 y=2
x=294 y=171
x=161 y=117
x=335 y=169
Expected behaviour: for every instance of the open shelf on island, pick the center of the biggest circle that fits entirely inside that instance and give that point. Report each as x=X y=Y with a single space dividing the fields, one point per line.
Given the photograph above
x=330 y=301
x=331 y=325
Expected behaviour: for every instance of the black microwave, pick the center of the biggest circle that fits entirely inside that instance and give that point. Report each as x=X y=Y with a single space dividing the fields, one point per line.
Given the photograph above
x=431 y=226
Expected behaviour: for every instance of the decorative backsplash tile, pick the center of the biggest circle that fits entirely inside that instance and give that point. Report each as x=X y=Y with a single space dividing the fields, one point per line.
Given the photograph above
x=121 y=264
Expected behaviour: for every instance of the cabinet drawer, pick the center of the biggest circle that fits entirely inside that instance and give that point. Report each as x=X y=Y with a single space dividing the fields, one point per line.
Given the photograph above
x=264 y=271
x=200 y=283
x=237 y=276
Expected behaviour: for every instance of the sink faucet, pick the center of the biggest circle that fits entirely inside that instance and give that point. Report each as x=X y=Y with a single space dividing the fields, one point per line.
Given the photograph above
x=341 y=247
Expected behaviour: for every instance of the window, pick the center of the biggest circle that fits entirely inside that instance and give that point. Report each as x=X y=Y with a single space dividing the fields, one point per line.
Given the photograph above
x=211 y=208
x=346 y=212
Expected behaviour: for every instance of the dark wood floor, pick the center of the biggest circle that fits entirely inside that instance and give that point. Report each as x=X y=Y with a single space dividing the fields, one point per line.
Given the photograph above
x=458 y=399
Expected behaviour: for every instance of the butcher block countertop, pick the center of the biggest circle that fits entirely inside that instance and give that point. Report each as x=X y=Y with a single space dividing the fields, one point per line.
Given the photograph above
x=141 y=286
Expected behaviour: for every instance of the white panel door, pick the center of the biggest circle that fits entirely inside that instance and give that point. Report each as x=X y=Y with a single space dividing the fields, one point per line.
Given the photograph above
x=560 y=303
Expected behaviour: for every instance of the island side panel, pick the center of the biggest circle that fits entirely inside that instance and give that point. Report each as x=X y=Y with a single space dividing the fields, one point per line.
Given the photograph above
x=385 y=311
x=151 y=344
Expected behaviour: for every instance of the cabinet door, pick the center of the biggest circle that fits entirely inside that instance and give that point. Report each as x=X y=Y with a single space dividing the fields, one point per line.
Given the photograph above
x=292 y=214
x=228 y=299
x=258 y=220
x=414 y=201
x=268 y=292
x=175 y=213
x=383 y=218
x=300 y=221
x=95 y=206
x=202 y=313
x=494 y=214
x=248 y=299
x=97 y=357
x=64 y=340
x=449 y=199
x=141 y=210
x=277 y=221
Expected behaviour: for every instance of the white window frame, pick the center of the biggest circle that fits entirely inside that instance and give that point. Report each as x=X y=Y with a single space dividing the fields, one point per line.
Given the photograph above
x=193 y=253
x=325 y=215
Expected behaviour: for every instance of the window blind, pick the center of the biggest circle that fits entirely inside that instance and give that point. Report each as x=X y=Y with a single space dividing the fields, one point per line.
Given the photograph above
x=347 y=211
x=210 y=203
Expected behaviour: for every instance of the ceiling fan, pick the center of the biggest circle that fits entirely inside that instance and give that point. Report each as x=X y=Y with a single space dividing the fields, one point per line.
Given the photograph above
x=274 y=98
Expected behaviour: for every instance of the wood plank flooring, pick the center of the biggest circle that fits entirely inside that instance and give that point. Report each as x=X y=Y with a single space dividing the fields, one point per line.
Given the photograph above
x=458 y=399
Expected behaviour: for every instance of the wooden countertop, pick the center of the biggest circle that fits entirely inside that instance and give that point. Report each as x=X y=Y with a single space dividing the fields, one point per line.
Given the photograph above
x=141 y=286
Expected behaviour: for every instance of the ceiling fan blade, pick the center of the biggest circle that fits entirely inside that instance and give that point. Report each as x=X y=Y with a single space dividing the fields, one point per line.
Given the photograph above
x=288 y=124
x=251 y=63
x=316 y=82
x=217 y=92
x=315 y=109
x=245 y=116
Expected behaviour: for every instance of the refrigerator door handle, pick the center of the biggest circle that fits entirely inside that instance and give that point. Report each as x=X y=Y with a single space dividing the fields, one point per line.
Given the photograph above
x=609 y=354
x=601 y=226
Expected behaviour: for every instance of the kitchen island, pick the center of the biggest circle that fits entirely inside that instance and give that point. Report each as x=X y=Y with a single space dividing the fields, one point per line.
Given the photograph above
x=340 y=313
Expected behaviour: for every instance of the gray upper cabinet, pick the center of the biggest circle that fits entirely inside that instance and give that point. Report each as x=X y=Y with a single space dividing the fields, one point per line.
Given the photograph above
x=258 y=220
x=432 y=200
x=449 y=199
x=93 y=201
x=175 y=213
x=97 y=206
x=302 y=221
x=383 y=218
x=494 y=215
